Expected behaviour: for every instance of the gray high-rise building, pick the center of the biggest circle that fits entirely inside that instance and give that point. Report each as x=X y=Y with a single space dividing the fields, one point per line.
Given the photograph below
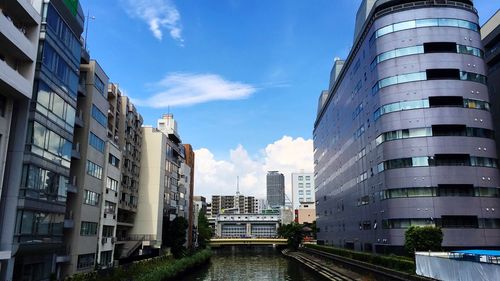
x=405 y=136
x=275 y=183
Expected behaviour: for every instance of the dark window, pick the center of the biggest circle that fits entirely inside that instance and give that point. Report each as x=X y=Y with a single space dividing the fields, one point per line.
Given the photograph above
x=450 y=160
x=455 y=190
x=85 y=261
x=459 y=222
x=440 y=47
x=445 y=73
x=446 y=101
x=3 y=104
x=113 y=160
x=449 y=130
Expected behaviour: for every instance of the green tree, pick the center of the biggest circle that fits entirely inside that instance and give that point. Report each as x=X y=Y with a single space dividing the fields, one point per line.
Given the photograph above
x=204 y=230
x=427 y=238
x=176 y=236
x=292 y=232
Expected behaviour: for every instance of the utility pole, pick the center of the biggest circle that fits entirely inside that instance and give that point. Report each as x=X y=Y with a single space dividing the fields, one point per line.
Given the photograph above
x=87 y=27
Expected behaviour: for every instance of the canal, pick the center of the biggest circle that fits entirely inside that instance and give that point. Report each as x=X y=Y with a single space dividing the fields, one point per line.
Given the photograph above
x=251 y=263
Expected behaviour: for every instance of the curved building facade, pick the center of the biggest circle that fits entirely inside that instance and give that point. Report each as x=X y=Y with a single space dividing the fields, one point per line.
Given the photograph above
x=405 y=136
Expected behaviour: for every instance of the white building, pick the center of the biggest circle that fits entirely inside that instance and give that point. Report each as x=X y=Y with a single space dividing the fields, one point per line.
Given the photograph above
x=302 y=189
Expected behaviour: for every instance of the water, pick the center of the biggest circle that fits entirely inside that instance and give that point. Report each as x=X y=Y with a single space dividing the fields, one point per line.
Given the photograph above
x=251 y=263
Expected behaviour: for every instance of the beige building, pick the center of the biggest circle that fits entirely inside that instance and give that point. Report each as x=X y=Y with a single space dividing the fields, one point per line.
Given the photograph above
x=153 y=189
x=306 y=213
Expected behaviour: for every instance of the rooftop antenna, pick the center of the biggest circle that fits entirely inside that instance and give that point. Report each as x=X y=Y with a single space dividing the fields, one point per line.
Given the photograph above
x=237 y=185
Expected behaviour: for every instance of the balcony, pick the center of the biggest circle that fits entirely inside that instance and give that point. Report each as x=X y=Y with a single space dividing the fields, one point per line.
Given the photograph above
x=75 y=151
x=15 y=39
x=72 y=185
x=14 y=79
x=69 y=223
x=79 y=119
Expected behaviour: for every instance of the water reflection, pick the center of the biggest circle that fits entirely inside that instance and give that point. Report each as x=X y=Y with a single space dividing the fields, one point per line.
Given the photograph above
x=251 y=263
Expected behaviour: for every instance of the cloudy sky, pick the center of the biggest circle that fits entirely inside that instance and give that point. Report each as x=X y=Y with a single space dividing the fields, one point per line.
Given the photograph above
x=242 y=77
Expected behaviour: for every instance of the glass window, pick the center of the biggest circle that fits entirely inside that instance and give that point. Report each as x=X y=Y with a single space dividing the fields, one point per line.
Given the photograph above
x=385 y=30
x=94 y=170
x=426 y=22
x=88 y=228
x=109 y=207
x=99 y=84
x=112 y=184
x=108 y=231
x=91 y=198
x=96 y=142
x=85 y=261
x=99 y=116
x=404 y=25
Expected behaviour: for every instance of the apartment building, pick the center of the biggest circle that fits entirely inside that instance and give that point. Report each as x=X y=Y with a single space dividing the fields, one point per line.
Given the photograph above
x=88 y=161
x=127 y=128
x=405 y=135
x=234 y=204
x=19 y=36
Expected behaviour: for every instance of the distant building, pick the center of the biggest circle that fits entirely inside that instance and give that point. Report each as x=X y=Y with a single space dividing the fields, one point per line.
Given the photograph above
x=305 y=213
x=233 y=203
x=275 y=183
x=302 y=188
x=247 y=225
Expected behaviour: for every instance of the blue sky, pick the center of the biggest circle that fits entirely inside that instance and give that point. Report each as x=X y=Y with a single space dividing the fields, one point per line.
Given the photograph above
x=254 y=69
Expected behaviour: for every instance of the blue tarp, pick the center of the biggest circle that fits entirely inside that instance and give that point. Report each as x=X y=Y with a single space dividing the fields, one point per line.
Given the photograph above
x=491 y=253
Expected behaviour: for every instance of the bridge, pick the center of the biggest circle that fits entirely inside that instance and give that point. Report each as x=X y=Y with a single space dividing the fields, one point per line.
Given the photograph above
x=216 y=242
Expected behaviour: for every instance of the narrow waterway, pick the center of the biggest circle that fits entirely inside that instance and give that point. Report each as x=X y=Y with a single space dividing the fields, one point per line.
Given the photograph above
x=251 y=263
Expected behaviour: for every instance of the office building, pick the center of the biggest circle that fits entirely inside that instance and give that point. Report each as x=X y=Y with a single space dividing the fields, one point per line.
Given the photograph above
x=37 y=179
x=405 y=136
x=88 y=161
x=19 y=37
x=302 y=189
x=275 y=189
x=247 y=225
x=490 y=35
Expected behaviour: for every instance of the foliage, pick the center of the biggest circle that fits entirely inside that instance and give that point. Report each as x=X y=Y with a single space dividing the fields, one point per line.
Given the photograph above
x=176 y=236
x=204 y=230
x=292 y=232
x=159 y=268
x=398 y=263
x=427 y=238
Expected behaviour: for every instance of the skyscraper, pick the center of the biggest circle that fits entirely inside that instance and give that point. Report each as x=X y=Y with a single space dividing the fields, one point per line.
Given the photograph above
x=275 y=183
x=405 y=136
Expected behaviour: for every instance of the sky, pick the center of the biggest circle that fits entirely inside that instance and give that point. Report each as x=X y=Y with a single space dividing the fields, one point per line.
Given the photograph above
x=242 y=77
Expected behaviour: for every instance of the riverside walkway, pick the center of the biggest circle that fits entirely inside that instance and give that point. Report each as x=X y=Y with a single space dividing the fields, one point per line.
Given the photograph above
x=324 y=267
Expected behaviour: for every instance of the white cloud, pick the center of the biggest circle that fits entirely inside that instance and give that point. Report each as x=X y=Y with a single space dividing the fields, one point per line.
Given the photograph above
x=286 y=155
x=188 y=89
x=160 y=15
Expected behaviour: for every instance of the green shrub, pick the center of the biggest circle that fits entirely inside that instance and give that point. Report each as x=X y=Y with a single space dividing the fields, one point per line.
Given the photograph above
x=427 y=238
x=398 y=263
x=155 y=269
